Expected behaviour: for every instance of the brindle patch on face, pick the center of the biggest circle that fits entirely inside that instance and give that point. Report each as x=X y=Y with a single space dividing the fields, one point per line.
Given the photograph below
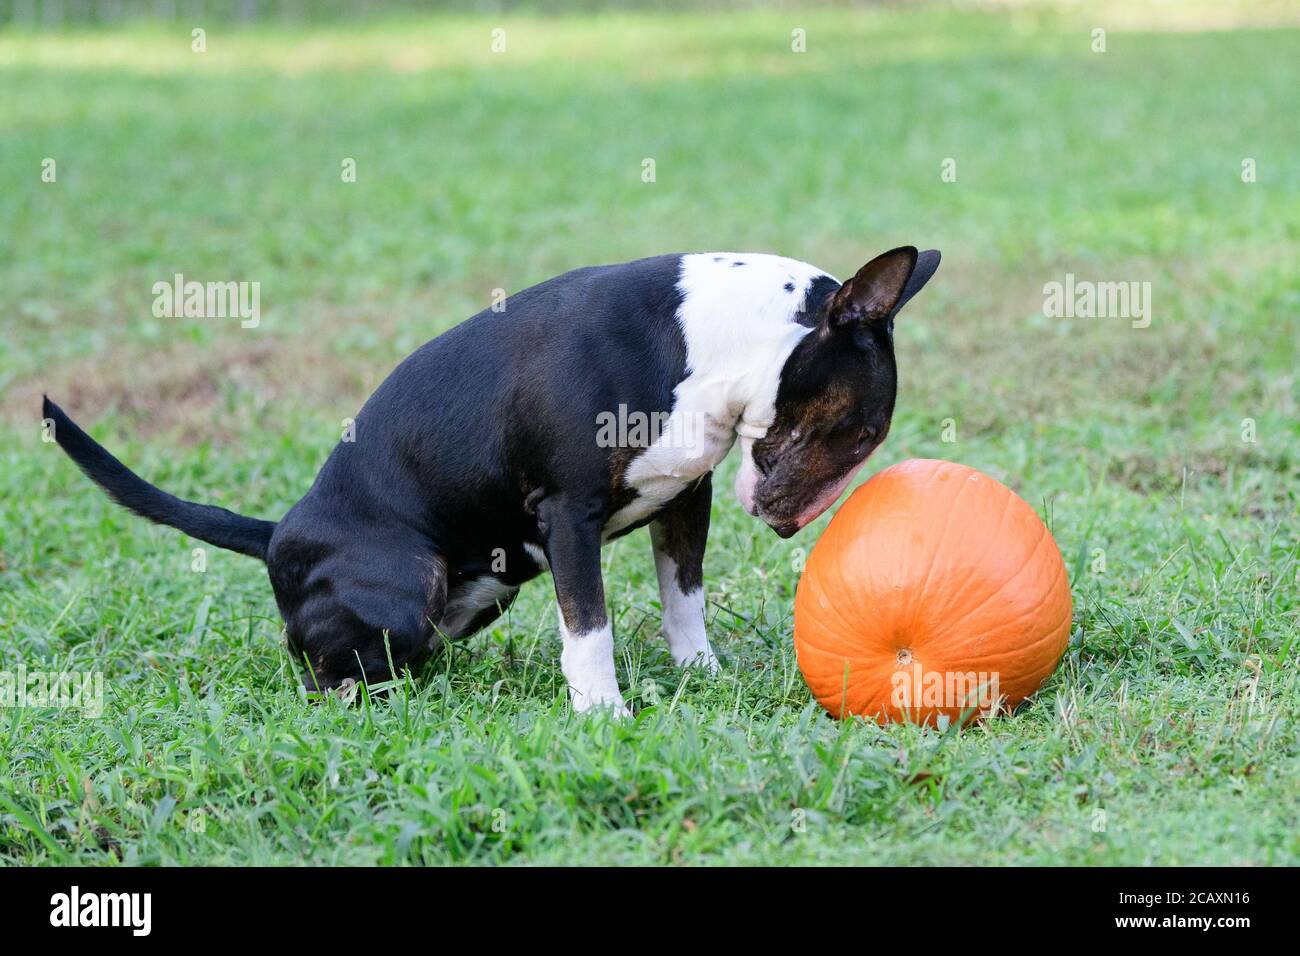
x=833 y=408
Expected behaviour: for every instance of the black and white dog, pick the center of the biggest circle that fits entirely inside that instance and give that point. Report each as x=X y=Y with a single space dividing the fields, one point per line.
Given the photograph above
x=484 y=458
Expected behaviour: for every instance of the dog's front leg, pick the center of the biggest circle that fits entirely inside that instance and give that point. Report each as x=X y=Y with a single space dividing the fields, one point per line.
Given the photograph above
x=679 y=535
x=570 y=532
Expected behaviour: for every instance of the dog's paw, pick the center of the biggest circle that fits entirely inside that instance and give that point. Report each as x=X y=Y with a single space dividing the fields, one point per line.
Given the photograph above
x=599 y=701
x=700 y=658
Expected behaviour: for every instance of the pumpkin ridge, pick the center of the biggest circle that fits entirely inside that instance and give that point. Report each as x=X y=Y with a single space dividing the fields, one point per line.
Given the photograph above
x=1020 y=650
x=1049 y=634
x=1033 y=609
x=1002 y=520
x=849 y=626
x=1001 y=587
x=935 y=550
x=804 y=640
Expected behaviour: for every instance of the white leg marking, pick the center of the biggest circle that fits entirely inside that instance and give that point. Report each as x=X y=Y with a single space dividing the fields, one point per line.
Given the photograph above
x=683 y=618
x=588 y=665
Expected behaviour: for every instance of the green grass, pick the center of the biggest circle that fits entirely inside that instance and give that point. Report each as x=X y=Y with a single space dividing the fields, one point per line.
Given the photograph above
x=1168 y=734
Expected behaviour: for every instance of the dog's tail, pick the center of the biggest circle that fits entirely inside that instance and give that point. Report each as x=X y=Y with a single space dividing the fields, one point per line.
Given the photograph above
x=216 y=526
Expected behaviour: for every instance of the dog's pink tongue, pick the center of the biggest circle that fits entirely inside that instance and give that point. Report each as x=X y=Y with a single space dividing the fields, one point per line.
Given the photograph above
x=828 y=498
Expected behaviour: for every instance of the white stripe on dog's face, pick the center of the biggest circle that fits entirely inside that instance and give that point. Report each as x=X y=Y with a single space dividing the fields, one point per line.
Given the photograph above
x=738 y=317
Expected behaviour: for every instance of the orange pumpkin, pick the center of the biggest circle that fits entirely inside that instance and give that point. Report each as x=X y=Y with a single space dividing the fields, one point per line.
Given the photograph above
x=935 y=590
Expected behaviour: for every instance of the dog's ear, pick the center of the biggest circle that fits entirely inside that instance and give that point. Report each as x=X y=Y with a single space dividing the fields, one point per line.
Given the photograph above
x=926 y=264
x=872 y=294
x=882 y=286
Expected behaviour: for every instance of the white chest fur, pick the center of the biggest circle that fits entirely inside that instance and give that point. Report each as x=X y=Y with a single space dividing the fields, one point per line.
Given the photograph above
x=738 y=318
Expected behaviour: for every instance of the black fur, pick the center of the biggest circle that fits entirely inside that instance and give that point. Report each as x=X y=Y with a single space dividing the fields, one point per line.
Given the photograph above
x=481 y=443
x=216 y=526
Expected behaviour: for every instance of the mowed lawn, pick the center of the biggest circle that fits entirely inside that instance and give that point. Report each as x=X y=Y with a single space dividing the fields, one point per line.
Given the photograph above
x=1165 y=459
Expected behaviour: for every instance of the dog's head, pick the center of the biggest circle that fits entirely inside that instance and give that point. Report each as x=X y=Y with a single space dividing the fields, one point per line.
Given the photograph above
x=836 y=393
